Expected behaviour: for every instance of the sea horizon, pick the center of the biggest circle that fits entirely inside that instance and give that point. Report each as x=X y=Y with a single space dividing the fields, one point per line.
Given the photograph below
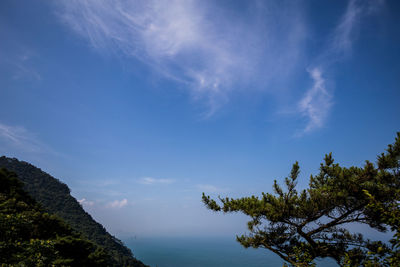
x=203 y=251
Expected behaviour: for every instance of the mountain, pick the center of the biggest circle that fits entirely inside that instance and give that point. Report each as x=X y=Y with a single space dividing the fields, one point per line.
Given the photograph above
x=54 y=196
x=31 y=237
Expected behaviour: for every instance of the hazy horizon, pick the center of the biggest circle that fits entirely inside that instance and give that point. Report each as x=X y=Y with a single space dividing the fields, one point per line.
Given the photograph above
x=140 y=106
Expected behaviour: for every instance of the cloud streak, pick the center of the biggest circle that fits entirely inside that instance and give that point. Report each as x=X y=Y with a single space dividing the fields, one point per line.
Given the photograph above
x=117 y=204
x=207 y=47
x=214 y=50
x=85 y=202
x=317 y=102
x=19 y=60
x=19 y=137
x=155 y=181
x=23 y=66
x=346 y=31
x=210 y=188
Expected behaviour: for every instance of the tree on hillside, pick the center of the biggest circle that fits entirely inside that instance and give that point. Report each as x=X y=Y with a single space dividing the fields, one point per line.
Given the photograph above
x=301 y=226
x=31 y=237
x=55 y=199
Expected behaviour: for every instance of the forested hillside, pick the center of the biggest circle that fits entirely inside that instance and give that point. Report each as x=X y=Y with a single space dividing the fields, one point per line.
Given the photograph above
x=31 y=237
x=56 y=199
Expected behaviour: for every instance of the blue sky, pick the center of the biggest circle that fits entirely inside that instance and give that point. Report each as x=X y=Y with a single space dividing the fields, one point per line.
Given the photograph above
x=139 y=106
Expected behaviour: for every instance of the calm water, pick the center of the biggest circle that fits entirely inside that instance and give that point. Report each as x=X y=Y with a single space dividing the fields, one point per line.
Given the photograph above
x=202 y=252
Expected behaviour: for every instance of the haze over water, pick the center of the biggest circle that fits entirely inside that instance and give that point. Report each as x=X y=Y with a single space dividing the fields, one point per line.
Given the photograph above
x=203 y=252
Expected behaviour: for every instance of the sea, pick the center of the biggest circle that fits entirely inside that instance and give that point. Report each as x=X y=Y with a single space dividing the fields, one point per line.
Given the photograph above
x=203 y=252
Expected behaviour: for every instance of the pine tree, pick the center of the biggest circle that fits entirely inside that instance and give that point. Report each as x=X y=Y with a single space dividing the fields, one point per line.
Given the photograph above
x=302 y=226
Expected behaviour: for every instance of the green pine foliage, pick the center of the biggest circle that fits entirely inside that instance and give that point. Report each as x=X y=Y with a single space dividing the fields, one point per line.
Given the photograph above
x=301 y=226
x=55 y=198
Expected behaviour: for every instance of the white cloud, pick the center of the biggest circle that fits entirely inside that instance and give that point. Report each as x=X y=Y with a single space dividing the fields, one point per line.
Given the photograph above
x=24 y=68
x=347 y=29
x=209 y=48
x=14 y=134
x=155 y=181
x=23 y=71
x=210 y=188
x=316 y=103
x=19 y=60
x=214 y=50
x=117 y=204
x=85 y=202
x=344 y=33
x=19 y=137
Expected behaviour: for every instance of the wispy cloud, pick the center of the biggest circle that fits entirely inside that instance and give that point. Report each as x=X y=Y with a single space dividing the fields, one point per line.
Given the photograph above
x=318 y=100
x=155 y=181
x=23 y=66
x=347 y=29
x=21 y=138
x=211 y=49
x=19 y=60
x=316 y=103
x=117 y=204
x=214 y=50
x=210 y=188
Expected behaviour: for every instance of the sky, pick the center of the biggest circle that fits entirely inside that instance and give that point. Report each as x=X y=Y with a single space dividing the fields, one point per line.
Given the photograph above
x=140 y=106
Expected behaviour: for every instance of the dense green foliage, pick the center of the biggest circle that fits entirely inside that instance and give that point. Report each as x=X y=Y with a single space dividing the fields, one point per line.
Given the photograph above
x=302 y=226
x=55 y=198
x=31 y=237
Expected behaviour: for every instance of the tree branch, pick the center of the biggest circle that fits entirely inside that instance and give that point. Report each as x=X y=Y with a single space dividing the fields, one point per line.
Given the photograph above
x=336 y=221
